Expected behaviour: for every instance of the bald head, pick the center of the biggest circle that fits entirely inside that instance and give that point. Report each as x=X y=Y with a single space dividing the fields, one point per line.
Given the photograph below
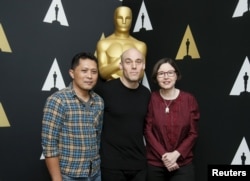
x=132 y=53
x=132 y=66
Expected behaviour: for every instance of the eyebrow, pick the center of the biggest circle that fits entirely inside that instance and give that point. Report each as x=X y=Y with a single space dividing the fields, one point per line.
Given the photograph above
x=133 y=60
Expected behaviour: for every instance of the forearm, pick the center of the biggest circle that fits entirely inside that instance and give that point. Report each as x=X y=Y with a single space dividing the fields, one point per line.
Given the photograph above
x=54 y=168
x=109 y=68
x=107 y=71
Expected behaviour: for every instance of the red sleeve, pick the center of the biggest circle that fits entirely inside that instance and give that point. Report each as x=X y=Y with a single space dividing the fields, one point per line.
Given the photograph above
x=186 y=146
x=151 y=141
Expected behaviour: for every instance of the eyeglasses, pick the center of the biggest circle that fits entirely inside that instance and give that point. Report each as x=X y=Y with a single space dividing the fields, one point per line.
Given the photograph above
x=170 y=73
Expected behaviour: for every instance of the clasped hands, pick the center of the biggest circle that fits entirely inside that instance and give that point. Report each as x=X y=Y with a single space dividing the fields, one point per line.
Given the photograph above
x=169 y=160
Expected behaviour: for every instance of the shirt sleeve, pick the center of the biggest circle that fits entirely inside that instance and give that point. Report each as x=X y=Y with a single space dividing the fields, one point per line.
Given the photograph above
x=186 y=146
x=151 y=140
x=51 y=125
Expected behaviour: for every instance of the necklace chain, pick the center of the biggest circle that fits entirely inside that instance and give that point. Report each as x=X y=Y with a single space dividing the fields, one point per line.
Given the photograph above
x=167 y=105
x=164 y=100
x=173 y=96
x=170 y=100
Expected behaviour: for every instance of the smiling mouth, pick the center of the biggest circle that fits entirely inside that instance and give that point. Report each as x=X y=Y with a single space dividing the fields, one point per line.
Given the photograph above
x=88 y=82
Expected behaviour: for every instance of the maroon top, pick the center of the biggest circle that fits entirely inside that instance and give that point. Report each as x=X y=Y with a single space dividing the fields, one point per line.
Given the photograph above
x=176 y=130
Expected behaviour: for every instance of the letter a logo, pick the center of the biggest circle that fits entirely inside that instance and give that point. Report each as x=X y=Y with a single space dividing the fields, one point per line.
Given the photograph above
x=188 y=49
x=54 y=80
x=242 y=8
x=143 y=22
x=241 y=85
x=242 y=155
x=55 y=14
x=3 y=118
x=4 y=45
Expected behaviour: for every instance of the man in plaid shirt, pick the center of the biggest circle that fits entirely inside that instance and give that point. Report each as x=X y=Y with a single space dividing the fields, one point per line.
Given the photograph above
x=72 y=124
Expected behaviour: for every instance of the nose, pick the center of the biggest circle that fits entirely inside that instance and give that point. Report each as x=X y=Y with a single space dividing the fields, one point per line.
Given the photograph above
x=89 y=74
x=166 y=75
x=123 y=20
x=134 y=64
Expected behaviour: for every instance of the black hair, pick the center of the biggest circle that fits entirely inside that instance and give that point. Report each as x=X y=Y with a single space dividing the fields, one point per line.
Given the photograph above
x=82 y=55
x=162 y=61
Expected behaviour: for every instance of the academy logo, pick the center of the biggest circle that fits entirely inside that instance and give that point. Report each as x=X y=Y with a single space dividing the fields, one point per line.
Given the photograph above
x=143 y=22
x=4 y=45
x=242 y=156
x=55 y=14
x=145 y=81
x=54 y=80
x=188 y=49
x=242 y=8
x=241 y=86
x=42 y=157
x=3 y=118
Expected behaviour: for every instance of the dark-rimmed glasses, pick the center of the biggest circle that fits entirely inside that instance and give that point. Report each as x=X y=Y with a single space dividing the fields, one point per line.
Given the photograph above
x=170 y=73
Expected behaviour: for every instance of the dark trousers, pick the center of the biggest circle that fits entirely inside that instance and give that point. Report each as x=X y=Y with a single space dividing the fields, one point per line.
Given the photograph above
x=184 y=173
x=123 y=175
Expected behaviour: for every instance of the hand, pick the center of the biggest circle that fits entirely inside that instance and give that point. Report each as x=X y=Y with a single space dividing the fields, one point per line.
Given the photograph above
x=173 y=167
x=170 y=158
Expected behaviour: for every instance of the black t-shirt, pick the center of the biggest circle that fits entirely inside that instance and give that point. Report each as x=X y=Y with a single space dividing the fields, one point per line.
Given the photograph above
x=122 y=144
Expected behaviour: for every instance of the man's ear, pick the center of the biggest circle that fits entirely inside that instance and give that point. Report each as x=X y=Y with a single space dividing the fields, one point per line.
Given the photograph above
x=120 y=66
x=71 y=73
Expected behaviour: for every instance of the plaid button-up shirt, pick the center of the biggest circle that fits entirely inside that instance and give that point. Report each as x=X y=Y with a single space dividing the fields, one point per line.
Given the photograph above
x=71 y=130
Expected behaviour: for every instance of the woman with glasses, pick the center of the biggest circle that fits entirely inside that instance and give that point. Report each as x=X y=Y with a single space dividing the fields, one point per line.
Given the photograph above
x=171 y=128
